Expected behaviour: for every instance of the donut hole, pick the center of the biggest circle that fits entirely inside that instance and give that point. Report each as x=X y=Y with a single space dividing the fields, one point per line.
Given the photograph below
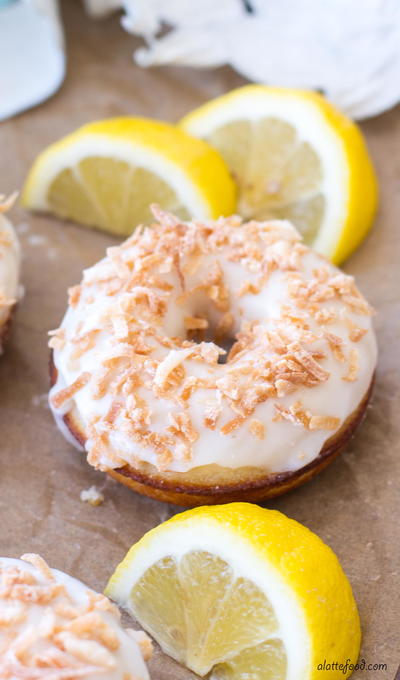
x=226 y=343
x=210 y=322
x=211 y=334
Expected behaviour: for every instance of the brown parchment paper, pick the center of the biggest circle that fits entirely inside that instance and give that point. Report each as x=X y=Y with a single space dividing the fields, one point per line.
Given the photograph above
x=353 y=505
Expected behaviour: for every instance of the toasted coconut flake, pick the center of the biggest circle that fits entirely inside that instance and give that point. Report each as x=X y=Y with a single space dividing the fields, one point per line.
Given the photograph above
x=57 y=338
x=325 y=315
x=336 y=345
x=74 y=295
x=277 y=341
x=83 y=343
x=33 y=593
x=181 y=425
x=356 y=333
x=40 y=565
x=121 y=267
x=249 y=288
x=295 y=414
x=232 y=425
x=120 y=326
x=147 y=262
x=284 y=387
x=193 y=323
x=102 y=603
x=224 y=326
x=116 y=408
x=11 y=614
x=214 y=287
x=101 y=384
x=5 y=241
x=190 y=385
x=353 y=366
x=88 y=651
x=301 y=415
x=92 y=625
x=324 y=423
x=164 y=217
x=212 y=413
x=358 y=304
x=67 y=393
x=173 y=359
x=47 y=624
x=306 y=360
x=209 y=352
x=257 y=428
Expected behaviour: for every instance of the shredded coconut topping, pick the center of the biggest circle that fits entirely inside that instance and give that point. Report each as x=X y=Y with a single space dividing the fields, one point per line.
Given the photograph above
x=7 y=247
x=7 y=202
x=175 y=276
x=49 y=633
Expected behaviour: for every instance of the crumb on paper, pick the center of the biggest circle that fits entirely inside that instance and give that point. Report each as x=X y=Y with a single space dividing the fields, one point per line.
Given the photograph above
x=21 y=292
x=22 y=228
x=37 y=240
x=40 y=400
x=52 y=253
x=92 y=496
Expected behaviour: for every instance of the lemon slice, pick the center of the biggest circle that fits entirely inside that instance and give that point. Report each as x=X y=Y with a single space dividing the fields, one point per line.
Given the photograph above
x=107 y=173
x=294 y=156
x=241 y=592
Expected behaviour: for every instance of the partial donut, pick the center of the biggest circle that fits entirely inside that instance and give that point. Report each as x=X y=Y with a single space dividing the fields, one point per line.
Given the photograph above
x=53 y=626
x=9 y=269
x=209 y=362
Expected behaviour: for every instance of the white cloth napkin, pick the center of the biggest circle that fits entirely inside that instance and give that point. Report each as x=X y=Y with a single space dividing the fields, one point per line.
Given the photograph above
x=349 y=49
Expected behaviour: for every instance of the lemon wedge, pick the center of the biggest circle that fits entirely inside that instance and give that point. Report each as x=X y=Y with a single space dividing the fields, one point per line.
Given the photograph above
x=241 y=592
x=107 y=173
x=294 y=156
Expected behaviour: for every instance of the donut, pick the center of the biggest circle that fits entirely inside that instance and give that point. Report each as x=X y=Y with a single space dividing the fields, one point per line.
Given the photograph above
x=206 y=362
x=9 y=270
x=53 y=626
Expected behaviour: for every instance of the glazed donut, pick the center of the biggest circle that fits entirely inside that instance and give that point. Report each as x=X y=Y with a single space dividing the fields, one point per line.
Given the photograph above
x=207 y=362
x=9 y=269
x=65 y=629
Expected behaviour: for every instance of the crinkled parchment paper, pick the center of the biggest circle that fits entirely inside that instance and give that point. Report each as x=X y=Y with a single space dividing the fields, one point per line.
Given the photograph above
x=353 y=505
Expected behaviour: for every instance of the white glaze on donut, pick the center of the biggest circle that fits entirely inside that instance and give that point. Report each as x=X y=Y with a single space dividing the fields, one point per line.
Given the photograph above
x=52 y=626
x=303 y=360
x=9 y=267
